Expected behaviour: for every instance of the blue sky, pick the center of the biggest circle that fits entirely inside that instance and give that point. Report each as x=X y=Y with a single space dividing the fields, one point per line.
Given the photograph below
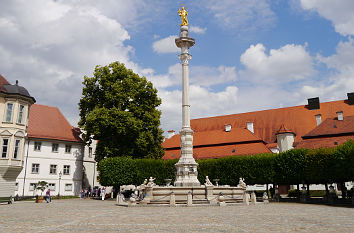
x=249 y=54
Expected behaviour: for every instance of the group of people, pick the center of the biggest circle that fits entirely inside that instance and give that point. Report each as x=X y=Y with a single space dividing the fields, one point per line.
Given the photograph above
x=95 y=192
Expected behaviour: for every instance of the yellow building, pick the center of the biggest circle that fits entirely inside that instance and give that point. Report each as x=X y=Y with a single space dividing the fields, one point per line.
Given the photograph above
x=15 y=103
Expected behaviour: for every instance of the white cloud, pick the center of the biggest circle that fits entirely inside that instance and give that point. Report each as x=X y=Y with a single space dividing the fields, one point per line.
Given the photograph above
x=339 y=12
x=336 y=84
x=204 y=76
x=210 y=76
x=49 y=46
x=290 y=62
x=197 y=30
x=166 y=45
x=222 y=102
x=241 y=14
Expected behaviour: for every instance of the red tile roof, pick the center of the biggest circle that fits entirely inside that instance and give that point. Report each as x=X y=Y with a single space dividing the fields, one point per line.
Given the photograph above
x=48 y=122
x=214 y=137
x=266 y=123
x=3 y=82
x=324 y=142
x=217 y=143
x=329 y=133
x=283 y=129
x=332 y=126
x=220 y=151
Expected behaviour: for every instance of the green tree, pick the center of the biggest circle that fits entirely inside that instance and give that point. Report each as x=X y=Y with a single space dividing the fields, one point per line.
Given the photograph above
x=41 y=185
x=119 y=109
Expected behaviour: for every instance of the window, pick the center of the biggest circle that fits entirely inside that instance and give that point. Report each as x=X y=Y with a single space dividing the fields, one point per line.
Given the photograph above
x=35 y=168
x=32 y=186
x=37 y=146
x=55 y=147
x=16 y=187
x=53 y=169
x=66 y=170
x=90 y=152
x=67 y=148
x=17 y=147
x=68 y=187
x=8 y=115
x=5 y=144
x=51 y=186
x=20 y=114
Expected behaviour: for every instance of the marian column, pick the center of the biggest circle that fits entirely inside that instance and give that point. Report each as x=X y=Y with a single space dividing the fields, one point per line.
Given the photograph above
x=186 y=174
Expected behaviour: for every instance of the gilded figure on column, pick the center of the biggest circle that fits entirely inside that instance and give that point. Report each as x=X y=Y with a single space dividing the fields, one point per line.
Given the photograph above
x=183 y=13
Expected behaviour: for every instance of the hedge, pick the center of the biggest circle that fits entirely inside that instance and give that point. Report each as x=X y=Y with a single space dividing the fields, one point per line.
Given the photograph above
x=291 y=167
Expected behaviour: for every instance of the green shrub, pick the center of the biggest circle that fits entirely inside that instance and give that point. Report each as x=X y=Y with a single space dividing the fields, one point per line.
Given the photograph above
x=291 y=167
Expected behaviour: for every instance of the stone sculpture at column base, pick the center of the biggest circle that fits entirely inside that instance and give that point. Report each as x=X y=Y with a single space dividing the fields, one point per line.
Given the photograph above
x=186 y=168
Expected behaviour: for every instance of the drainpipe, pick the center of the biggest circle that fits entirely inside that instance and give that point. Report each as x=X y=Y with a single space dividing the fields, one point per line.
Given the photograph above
x=24 y=177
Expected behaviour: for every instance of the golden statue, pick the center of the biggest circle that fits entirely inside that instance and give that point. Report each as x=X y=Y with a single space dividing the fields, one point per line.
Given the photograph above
x=183 y=13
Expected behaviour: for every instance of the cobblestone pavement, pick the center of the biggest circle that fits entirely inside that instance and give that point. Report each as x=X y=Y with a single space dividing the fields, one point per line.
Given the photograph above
x=104 y=216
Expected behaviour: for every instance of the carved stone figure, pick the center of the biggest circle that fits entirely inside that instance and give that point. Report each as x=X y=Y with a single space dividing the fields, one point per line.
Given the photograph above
x=183 y=13
x=151 y=182
x=208 y=182
x=242 y=183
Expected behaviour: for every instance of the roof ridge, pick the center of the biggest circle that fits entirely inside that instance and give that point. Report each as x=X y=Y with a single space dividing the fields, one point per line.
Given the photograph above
x=265 y=110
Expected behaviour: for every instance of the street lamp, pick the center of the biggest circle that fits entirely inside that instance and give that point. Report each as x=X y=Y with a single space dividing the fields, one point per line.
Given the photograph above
x=59 y=184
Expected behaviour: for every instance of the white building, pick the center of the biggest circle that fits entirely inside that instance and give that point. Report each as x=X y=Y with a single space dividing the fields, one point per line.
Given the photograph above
x=53 y=153
x=90 y=174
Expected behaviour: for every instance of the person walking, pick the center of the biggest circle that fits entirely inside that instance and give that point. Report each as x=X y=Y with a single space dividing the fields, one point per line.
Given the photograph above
x=47 y=196
x=103 y=192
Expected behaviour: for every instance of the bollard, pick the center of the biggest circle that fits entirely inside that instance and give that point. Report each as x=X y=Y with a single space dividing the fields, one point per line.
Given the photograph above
x=253 y=198
x=172 y=200
x=221 y=200
x=246 y=198
x=189 y=199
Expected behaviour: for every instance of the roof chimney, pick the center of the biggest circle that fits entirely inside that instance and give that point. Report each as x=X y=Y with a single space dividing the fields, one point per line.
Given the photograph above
x=313 y=103
x=340 y=116
x=250 y=126
x=350 y=98
x=227 y=128
x=170 y=134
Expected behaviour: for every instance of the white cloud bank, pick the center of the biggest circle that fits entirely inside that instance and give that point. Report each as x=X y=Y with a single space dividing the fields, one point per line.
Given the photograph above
x=290 y=62
x=165 y=45
x=197 y=30
x=49 y=46
x=339 y=12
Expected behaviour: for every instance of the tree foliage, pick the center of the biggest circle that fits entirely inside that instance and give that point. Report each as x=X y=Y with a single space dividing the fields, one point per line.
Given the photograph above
x=119 y=109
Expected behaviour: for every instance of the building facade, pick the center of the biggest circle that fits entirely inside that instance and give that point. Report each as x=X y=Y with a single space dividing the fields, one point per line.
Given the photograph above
x=53 y=153
x=15 y=103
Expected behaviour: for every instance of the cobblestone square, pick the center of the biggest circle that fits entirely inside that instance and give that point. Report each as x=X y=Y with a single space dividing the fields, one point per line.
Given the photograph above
x=104 y=216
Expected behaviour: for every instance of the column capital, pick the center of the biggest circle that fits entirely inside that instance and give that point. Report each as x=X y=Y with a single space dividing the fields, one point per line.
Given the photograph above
x=185 y=57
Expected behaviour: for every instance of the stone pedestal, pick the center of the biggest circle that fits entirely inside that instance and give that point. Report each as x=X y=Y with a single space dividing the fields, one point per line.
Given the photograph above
x=186 y=168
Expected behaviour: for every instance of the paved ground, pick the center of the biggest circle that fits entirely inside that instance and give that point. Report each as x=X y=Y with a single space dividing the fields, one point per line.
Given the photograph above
x=98 y=216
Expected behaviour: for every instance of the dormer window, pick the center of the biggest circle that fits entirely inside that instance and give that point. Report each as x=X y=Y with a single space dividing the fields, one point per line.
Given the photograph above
x=318 y=119
x=340 y=116
x=9 y=110
x=227 y=128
